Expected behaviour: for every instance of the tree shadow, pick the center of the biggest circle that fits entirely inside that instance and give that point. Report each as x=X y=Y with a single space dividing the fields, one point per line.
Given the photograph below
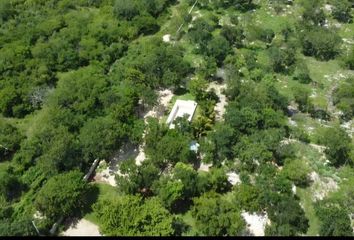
x=197 y=163
x=180 y=91
x=180 y=227
x=181 y=206
x=249 y=7
x=90 y=197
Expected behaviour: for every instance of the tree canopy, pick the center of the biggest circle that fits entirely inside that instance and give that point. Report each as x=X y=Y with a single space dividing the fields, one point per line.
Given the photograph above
x=217 y=217
x=62 y=195
x=133 y=216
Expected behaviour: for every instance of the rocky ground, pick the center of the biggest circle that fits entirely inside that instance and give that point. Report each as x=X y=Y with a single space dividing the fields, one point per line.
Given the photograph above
x=256 y=223
x=106 y=172
x=82 y=228
x=220 y=106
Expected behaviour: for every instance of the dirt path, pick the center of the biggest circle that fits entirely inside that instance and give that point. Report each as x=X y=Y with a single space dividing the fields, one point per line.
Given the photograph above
x=319 y=148
x=107 y=175
x=331 y=108
x=220 y=106
x=165 y=96
x=82 y=228
x=349 y=127
x=336 y=78
x=130 y=151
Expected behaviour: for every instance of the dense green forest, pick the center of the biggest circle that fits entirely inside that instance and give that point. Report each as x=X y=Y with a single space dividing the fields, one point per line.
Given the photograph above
x=77 y=77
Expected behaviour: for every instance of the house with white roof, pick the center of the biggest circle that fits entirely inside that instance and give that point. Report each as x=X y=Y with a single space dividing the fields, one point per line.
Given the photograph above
x=180 y=109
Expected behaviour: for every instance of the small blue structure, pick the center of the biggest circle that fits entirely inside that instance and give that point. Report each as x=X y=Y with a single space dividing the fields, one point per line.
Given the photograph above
x=194 y=146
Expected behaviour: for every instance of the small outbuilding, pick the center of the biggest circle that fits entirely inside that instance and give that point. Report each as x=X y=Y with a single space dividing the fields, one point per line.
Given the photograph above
x=194 y=146
x=180 y=109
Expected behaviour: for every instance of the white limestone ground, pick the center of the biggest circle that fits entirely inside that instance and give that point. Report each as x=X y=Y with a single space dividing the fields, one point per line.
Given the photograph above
x=197 y=15
x=287 y=141
x=310 y=130
x=335 y=80
x=256 y=223
x=166 y=38
x=321 y=186
x=319 y=148
x=313 y=94
x=82 y=228
x=205 y=167
x=292 y=122
x=348 y=41
x=38 y=215
x=328 y=7
x=165 y=97
x=221 y=105
x=349 y=127
x=107 y=175
x=352 y=220
x=141 y=156
x=233 y=178
x=128 y=151
x=293 y=189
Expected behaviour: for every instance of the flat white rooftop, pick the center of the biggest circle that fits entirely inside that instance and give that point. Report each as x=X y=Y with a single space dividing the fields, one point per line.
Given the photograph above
x=180 y=109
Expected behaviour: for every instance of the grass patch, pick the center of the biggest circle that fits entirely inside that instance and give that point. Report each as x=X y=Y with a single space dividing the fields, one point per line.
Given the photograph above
x=190 y=221
x=229 y=196
x=4 y=165
x=318 y=69
x=267 y=17
x=190 y=56
x=29 y=124
x=347 y=31
x=196 y=113
x=174 y=18
x=102 y=191
x=186 y=96
x=314 y=158
x=305 y=198
x=322 y=73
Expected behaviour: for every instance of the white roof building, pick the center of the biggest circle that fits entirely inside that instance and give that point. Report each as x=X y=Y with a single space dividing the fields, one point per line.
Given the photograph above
x=180 y=109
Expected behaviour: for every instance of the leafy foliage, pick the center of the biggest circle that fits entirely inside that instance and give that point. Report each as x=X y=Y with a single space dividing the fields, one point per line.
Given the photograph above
x=62 y=195
x=297 y=171
x=247 y=197
x=340 y=227
x=217 y=217
x=321 y=43
x=344 y=98
x=10 y=139
x=338 y=145
x=132 y=216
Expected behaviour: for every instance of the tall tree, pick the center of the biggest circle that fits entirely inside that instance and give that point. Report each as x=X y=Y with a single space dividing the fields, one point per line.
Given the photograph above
x=62 y=195
x=335 y=220
x=217 y=217
x=10 y=139
x=338 y=145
